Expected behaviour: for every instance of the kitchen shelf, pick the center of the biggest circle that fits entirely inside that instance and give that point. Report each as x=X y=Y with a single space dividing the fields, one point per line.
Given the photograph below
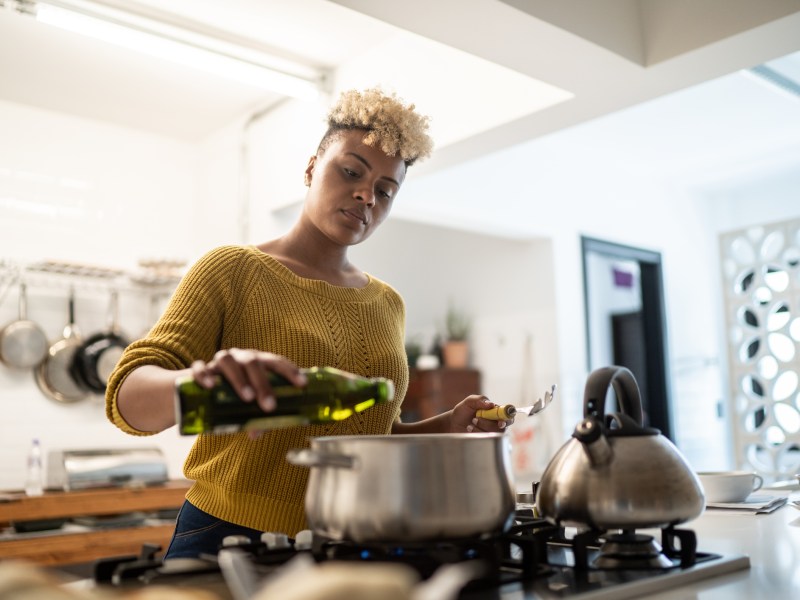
x=73 y=544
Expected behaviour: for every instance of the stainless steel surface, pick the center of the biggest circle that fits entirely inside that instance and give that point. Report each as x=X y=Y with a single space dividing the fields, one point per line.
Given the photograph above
x=239 y=573
x=84 y=469
x=53 y=373
x=408 y=487
x=623 y=478
x=525 y=498
x=540 y=404
x=509 y=411
x=645 y=587
x=23 y=343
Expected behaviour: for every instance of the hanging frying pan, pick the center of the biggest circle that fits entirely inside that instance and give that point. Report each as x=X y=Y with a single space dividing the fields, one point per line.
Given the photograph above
x=95 y=359
x=23 y=344
x=53 y=373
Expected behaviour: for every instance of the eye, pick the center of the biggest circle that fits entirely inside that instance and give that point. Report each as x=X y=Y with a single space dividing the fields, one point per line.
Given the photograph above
x=349 y=172
x=387 y=194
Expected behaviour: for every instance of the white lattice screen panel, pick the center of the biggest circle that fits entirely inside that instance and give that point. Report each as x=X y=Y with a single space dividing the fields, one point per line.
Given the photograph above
x=761 y=278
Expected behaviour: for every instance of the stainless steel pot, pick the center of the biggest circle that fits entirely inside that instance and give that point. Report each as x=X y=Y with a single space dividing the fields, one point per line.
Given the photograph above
x=408 y=487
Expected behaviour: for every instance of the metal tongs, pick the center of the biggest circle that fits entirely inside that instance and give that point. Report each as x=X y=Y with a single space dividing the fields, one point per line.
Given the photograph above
x=509 y=411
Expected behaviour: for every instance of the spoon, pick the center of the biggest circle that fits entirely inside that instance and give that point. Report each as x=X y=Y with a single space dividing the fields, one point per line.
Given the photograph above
x=509 y=411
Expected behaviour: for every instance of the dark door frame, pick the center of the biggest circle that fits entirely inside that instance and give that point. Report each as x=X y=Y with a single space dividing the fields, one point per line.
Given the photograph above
x=657 y=395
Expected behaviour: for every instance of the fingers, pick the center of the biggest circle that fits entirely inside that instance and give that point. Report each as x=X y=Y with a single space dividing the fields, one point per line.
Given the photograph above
x=487 y=425
x=465 y=416
x=251 y=373
x=203 y=374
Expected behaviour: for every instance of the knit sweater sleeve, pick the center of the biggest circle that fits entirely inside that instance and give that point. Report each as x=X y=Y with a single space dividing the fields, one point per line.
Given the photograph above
x=189 y=329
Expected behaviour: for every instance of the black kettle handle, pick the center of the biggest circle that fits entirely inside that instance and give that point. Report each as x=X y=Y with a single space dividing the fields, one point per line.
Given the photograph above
x=594 y=398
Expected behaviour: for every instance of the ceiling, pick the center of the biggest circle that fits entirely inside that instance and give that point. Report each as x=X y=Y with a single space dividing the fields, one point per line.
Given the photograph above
x=491 y=73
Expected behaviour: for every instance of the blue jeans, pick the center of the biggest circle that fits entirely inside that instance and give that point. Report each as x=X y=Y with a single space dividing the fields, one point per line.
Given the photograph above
x=197 y=532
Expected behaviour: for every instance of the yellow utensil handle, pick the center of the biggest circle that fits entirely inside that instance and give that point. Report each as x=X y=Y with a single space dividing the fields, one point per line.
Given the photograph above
x=498 y=413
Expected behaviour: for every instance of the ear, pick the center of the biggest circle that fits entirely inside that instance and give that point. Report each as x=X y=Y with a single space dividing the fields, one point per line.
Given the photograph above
x=310 y=170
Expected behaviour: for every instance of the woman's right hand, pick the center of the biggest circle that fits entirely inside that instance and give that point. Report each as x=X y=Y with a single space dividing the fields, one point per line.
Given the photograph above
x=248 y=373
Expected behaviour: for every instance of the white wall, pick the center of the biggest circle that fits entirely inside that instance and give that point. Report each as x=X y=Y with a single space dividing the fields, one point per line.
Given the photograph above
x=77 y=190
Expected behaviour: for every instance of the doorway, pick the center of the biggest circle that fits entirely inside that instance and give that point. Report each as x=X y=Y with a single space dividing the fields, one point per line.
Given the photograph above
x=626 y=323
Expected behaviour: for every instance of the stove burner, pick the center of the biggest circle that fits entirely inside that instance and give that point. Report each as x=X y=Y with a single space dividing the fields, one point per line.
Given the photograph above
x=424 y=556
x=629 y=550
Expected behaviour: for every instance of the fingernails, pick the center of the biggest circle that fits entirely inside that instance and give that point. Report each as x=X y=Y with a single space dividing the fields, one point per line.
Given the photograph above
x=269 y=403
x=475 y=421
x=248 y=393
x=501 y=424
x=470 y=428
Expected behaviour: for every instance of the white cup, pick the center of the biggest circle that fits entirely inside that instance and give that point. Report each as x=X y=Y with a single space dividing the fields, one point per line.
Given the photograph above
x=729 y=486
x=427 y=361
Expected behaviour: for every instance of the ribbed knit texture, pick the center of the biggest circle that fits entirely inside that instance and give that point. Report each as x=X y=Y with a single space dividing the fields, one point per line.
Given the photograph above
x=237 y=296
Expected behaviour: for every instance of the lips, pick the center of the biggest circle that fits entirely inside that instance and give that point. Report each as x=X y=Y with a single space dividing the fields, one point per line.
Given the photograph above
x=355 y=215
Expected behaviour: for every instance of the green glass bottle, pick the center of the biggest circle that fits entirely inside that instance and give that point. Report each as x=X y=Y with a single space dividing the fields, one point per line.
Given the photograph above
x=330 y=395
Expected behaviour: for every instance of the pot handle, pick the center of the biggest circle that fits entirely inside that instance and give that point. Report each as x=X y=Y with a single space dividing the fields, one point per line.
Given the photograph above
x=306 y=457
x=594 y=398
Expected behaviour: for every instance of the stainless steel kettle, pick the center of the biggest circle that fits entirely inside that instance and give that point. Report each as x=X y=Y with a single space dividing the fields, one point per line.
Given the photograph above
x=614 y=473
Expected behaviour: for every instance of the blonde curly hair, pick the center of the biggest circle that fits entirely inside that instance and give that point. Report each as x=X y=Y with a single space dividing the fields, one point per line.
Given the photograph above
x=391 y=125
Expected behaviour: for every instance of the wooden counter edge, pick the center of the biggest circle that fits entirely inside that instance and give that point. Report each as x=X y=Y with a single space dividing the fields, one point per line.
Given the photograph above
x=85 y=547
x=105 y=501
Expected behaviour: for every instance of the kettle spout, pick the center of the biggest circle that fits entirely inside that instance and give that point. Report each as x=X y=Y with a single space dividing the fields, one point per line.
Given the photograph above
x=589 y=433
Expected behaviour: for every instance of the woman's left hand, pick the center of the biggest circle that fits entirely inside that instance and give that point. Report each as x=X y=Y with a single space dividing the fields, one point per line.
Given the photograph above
x=463 y=419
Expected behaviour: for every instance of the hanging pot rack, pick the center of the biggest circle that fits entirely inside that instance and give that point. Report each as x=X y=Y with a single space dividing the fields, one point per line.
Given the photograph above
x=153 y=276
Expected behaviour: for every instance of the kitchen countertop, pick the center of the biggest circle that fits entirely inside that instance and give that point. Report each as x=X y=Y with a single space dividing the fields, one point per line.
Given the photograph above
x=772 y=542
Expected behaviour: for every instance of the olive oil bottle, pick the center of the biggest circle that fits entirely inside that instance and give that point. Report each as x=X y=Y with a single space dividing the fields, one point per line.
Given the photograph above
x=330 y=395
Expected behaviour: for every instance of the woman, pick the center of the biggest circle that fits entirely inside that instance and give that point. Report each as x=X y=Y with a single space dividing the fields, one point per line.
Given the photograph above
x=295 y=301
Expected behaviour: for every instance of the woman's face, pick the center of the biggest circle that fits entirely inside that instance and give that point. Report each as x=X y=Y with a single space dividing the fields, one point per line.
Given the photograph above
x=351 y=188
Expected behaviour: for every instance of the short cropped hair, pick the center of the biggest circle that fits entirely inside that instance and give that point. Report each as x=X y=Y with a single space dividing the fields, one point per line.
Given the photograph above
x=389 y=124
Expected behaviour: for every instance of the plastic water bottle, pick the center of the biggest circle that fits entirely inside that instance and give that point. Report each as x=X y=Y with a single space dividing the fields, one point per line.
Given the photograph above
x=33 y=481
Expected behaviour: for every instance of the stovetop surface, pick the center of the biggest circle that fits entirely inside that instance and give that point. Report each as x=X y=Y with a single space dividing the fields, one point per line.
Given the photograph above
x=565 y=582
x=534 y=561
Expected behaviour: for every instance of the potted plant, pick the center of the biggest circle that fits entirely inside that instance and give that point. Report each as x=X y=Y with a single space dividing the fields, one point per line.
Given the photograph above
x=455 y=349
x=413 y=350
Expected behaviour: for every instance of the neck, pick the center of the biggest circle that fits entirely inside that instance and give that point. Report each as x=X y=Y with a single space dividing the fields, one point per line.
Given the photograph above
x=314 y=260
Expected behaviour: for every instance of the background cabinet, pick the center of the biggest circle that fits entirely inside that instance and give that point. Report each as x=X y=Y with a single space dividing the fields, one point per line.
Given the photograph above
x=434 y=391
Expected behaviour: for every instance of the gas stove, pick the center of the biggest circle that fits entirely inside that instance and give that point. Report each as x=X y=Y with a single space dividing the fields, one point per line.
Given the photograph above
x=533 y=559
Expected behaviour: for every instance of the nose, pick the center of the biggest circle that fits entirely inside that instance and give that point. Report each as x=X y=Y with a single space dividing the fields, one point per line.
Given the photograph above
x=366 y=195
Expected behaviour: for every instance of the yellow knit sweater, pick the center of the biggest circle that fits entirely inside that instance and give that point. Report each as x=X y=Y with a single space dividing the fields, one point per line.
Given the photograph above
x=238 y=296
